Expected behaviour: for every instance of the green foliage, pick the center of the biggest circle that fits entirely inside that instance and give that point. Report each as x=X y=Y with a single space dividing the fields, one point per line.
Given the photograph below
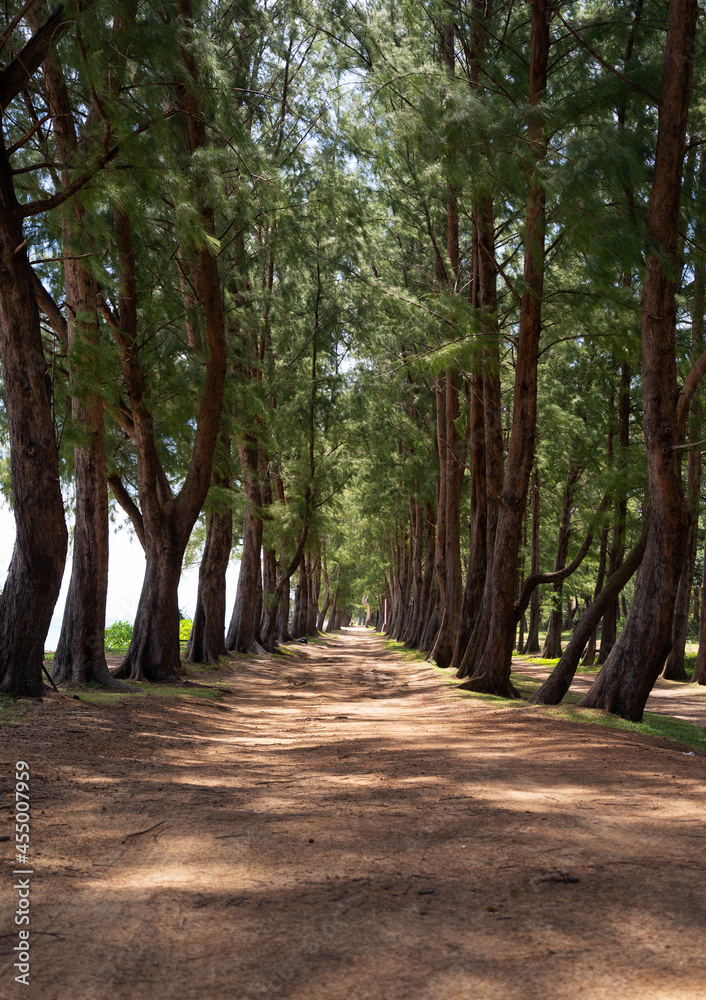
x=118 y=635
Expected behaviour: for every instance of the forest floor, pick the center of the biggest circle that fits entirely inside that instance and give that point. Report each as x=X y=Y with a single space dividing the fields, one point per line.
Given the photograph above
x=342 y=824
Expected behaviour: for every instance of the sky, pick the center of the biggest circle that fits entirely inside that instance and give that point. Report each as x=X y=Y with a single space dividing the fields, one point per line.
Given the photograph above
x=125 y=573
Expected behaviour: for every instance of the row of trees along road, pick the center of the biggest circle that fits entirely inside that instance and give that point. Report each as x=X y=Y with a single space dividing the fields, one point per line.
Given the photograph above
x=405 y=300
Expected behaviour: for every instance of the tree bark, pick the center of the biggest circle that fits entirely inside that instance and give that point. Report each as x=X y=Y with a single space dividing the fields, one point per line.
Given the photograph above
x=674 y=667
x=629 y=673
x=532 y=644
x=427 y=599
x=34 y=578
x=207 y=640
x=327 y=591
x=244 y=629
x=493 y=665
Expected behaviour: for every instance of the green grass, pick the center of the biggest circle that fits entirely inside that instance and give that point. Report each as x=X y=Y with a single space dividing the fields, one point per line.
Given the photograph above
x=408 y=654
x=320 y=640
x=98 y=696
x=684 y=735
x=11 y=711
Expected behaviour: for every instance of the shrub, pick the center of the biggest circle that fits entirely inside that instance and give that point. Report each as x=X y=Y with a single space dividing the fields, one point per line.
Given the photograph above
x=118 y=635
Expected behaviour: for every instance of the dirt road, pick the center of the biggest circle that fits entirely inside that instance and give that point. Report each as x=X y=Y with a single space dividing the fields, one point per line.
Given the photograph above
x=343 y=826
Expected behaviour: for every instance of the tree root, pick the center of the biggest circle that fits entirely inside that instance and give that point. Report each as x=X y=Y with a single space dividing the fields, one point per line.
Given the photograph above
x=484 y=685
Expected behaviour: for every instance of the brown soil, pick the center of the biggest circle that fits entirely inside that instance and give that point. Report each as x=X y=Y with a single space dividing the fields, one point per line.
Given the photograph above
x=345 y=826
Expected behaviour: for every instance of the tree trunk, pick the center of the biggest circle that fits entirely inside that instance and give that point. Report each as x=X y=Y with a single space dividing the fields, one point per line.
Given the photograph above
x=314 y=578
x=428 y=581
x=493 y=666
x=532 y=644
x=629 y=673
x=327 y=592
x=416 y=515
x=244 y=629
x=520 y=583
x=331 y=627
x=478 y=555
x=559 y=681
x=207 y=640
x=301 y=594
x=34 y=578
x=154 y=648
x=282 y=633
x=80 y=653
x=674 y=667
x=452 y=470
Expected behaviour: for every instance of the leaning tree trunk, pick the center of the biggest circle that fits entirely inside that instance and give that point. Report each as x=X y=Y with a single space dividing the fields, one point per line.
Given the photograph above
x=559 y=681
x=629 y=673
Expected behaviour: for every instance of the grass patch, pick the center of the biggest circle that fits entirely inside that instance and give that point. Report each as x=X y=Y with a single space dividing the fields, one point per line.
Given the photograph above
x=209 y=669
x=539 y=662
x=11 y=711
x=410 y=654
x=319 y=640
x=96 y=695
x=684 y=735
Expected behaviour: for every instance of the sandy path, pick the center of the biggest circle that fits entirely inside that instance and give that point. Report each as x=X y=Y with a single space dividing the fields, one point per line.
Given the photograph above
x=344 y=826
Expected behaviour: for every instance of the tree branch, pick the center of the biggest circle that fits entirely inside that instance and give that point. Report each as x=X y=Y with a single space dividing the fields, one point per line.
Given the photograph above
x=561 y=574
x=129 y=506
x=30 y=57
x=57 y=320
